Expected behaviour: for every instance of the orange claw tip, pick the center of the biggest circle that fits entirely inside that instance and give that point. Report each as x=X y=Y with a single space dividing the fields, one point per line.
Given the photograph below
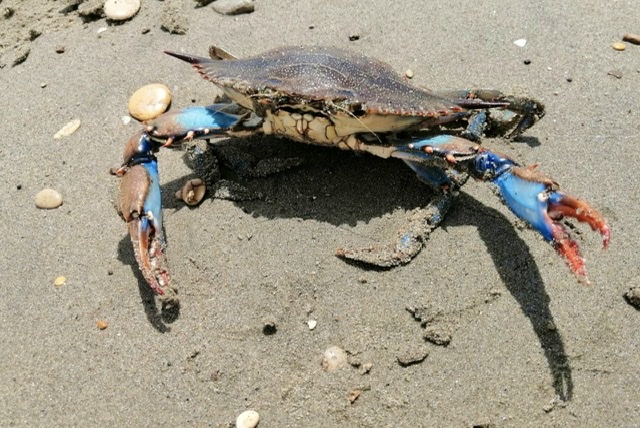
x=569 y=250
x=563 y=204
x=605 y=232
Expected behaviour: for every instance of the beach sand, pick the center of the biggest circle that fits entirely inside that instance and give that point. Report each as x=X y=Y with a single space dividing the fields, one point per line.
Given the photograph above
x=529 y=345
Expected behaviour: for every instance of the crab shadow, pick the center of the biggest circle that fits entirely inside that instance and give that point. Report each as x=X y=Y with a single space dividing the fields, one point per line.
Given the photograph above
x=343 y=188
x=518 y=271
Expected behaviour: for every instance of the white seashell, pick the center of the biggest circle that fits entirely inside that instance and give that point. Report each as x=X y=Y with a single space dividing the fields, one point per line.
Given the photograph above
x=68 y=129
x=333 y=359
x=520 y=42
x=248 y=419
x=48 y=199
x=121 y=10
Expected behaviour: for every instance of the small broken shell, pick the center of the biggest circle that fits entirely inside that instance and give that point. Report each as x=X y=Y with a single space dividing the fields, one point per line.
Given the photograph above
x=333 y=358
x=68 y=129
x=631 y=38
x=192 y=192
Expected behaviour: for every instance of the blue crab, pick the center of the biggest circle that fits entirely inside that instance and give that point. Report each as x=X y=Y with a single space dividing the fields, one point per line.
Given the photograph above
x=330 y=97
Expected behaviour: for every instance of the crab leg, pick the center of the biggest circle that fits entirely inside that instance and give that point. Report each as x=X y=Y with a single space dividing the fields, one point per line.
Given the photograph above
x=410 y=239
x=516 y=115
x=140 y=199
x=532 y=196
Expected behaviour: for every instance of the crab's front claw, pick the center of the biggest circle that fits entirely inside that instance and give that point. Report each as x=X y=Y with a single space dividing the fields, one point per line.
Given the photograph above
x=140 y=206
x=140 y=200
x=535 y=199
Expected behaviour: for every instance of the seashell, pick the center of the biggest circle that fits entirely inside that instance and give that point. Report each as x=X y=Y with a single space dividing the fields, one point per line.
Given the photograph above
x=333 y=359
x=48 y=199
x=121 y=10
x=68 y=129
x=248 y=419
x=150 y=101
x=192 y=192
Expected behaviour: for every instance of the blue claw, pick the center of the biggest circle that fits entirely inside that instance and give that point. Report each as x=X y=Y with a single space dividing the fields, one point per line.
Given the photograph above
x=532 y=196
x=140 y=199
x=194 y=122
x=527 y=200
x=146 y=233
x=140 y=206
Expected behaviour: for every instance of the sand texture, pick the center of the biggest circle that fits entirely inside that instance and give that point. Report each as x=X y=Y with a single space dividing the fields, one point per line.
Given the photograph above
x=527 y=344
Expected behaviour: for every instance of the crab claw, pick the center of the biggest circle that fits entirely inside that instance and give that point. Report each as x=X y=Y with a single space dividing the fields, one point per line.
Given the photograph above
x=140 y=206
x=535 y=199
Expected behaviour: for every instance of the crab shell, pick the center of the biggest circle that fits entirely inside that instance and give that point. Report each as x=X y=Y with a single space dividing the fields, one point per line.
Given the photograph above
x=326 y=95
